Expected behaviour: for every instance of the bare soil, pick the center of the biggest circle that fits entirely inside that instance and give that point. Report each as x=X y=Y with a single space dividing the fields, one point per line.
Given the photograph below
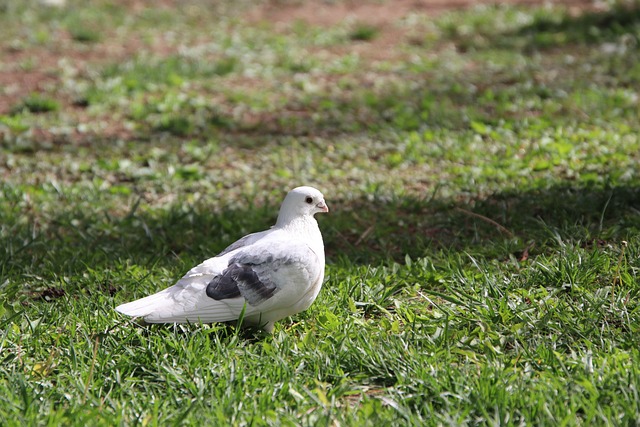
x=45 y=69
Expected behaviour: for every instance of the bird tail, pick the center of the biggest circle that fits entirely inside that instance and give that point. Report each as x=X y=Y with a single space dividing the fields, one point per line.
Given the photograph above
x=147 y=306
x=173 y=306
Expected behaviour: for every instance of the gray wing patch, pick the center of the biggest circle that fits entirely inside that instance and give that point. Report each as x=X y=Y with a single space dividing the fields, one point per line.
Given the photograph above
x=222 y=287
x=252 y=287
x=241 y=279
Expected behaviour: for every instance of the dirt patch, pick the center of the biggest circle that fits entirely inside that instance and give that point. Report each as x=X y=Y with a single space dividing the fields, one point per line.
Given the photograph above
x=49 y=294
x=46 y=69
x=383 y=15
x=42 y=69
x=377 y=12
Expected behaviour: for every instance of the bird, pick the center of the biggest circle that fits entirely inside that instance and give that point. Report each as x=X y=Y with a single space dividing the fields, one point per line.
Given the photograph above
x=261 y=278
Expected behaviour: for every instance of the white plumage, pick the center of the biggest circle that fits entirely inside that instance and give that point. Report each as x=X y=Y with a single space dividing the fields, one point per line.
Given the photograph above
x=267 y=275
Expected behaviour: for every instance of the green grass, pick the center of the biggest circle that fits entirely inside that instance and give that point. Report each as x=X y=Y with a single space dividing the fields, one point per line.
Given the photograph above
x=36 y=103
x=363 y=32
x=483 y=249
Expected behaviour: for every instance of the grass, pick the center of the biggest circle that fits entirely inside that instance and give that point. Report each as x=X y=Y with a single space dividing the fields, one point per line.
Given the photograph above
x=363 y=32
x=35 y=103
x=483 y=250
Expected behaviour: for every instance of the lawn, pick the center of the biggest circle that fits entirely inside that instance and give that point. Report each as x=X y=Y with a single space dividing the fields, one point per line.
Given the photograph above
x=481 y=167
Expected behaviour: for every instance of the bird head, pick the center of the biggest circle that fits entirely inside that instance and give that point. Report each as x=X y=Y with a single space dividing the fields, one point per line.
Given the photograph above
x=302 y=201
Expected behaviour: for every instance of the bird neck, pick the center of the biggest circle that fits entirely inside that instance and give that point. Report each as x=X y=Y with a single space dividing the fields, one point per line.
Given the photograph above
x=299 y=224
x=306 y=229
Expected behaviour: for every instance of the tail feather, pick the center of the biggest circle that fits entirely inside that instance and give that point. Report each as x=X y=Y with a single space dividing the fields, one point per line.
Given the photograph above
x=162 y=307
x=214 y=311
x=144 y=306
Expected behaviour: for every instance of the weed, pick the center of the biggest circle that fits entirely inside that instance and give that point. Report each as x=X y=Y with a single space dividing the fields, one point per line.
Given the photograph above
x=36 y=103
x=363 y=32
x=84 y=34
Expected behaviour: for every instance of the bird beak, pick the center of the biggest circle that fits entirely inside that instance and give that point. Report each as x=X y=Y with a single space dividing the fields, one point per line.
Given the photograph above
x=322 y=206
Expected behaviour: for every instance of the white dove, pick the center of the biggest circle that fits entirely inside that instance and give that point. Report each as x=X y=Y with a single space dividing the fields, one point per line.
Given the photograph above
x=264 y=276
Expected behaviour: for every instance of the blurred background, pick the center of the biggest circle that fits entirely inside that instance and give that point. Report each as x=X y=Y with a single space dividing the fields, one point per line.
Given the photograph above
x=480 y=160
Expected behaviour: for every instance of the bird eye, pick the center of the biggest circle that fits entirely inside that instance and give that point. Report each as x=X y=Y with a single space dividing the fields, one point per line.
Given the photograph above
x=309 y=200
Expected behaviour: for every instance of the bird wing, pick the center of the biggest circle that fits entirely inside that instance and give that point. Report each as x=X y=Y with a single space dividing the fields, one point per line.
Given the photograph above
x=278 y=270
x=272 y=273
x=247 y=240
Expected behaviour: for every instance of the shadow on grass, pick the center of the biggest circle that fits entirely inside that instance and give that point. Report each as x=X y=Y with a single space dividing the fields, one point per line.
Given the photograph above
x=494 y=227
x=589 y=27
x=363 y=231
x=221 y=330
x=549 y=29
